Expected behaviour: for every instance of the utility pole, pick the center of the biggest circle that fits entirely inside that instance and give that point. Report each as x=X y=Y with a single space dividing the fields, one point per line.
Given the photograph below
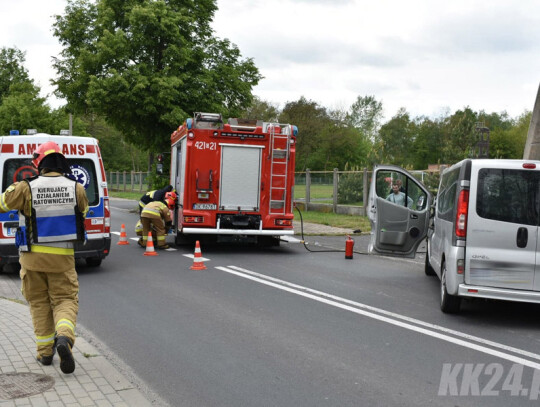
x=532 y=145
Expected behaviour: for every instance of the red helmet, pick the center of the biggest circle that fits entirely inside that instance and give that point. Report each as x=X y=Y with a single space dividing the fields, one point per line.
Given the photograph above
x=170 y=203
x=43 y=150
x=172 y=195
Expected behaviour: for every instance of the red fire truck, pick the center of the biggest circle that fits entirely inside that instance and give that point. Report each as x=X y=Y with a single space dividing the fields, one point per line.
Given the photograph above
x=234 y=180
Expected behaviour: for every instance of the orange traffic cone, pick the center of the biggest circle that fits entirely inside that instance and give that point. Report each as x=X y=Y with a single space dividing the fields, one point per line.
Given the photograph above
x=150 y=246
x=123 y=237
x=198 y=264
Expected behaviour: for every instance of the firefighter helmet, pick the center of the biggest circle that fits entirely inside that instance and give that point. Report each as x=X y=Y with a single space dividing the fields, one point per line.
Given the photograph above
x=172 y=195
x=170 y=203
x=44 y=150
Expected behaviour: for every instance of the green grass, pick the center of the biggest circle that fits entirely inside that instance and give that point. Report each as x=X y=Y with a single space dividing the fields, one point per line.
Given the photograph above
x=329 y=219
x=335 y=220
x=316 y=191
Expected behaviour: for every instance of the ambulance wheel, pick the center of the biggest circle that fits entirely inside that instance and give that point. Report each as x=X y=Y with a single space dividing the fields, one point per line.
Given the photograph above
x=93 y=261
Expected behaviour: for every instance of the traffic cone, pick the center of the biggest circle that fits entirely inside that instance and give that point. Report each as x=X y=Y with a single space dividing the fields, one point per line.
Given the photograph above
x=150 y=246
x=198 y=264
x=123 y=237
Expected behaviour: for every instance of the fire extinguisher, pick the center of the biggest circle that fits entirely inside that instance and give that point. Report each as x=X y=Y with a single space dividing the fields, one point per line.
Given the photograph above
x=349 y=245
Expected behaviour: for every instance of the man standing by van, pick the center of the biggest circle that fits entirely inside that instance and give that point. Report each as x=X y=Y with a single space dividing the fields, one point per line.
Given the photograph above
x=398 y=197
x=51 y=208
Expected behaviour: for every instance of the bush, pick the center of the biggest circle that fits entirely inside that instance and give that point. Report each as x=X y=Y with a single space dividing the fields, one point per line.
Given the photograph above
x=350 y=188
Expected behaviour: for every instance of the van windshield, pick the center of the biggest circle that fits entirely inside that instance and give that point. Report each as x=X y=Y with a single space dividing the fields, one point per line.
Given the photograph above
x=83 y=170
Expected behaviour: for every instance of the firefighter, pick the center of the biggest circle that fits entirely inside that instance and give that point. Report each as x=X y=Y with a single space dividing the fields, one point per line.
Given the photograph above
x=151 y=196
x=156 y=217
x=52 y=208
x=138 y=225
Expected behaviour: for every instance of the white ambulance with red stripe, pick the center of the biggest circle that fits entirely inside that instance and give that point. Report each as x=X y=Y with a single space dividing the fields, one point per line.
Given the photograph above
x=84 y=158
x=234 y=180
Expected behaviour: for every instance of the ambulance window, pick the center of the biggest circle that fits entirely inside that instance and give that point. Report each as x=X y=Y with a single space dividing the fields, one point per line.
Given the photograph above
x=84 y=171
x=16 y=170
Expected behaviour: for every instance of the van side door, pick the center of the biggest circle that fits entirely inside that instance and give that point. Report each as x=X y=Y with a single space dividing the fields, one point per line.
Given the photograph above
x=399 y=211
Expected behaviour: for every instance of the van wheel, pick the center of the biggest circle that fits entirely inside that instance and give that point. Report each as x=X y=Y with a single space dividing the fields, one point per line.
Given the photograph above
x=449 y=303
x=427 y=266
x=93 y=261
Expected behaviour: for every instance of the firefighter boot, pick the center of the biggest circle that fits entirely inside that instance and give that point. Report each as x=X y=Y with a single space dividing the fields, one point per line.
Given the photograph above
x=67 y=363
x=45 y=360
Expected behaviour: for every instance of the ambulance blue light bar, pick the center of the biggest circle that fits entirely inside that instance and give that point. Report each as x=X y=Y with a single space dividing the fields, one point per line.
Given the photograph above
x=14 y=132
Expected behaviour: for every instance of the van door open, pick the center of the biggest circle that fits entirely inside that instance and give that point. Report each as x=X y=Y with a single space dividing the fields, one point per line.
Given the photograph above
x=399 y=211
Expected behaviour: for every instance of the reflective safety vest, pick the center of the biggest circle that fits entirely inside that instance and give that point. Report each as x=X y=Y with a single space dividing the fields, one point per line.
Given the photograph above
x=56 y=221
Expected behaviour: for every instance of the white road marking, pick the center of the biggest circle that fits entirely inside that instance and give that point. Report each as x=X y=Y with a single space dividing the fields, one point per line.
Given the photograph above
x=115 y=233
x=361 y=309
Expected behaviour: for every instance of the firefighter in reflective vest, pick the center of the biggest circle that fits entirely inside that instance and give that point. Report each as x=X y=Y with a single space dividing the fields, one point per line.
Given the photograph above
x=138 y=225
x=51 y=209
x=156 y=216
x=156 y=195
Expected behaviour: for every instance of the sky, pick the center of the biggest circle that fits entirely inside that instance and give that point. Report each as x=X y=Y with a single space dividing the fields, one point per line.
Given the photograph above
x=430 y=57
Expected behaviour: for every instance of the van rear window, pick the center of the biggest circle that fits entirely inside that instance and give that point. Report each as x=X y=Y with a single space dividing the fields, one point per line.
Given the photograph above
x=508 y=195
x=83 y=170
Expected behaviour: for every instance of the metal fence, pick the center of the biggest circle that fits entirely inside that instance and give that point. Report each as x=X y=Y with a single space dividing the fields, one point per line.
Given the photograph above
x=329 y=191
x=128 y=181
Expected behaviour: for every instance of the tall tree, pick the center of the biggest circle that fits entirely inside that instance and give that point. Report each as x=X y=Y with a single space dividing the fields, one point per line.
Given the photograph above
x=312 y=120
x=366 y=114
x=12 y=69
x=460 y=136
x=260 y=110
x=395 y=140
x=146 y=65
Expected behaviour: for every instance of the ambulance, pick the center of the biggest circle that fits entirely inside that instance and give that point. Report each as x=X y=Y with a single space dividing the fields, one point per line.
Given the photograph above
x=84 y=158
x=234 y=179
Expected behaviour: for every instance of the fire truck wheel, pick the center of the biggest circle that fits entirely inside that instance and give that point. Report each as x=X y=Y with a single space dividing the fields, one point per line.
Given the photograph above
x=93 y=261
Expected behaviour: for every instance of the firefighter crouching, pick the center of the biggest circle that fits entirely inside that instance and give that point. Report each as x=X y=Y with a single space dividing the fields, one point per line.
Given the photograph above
x=52 y=209
x=156 y=195
x=156 y=217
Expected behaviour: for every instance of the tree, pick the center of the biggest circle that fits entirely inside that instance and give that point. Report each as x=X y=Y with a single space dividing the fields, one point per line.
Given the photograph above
x=261 y=110
x=146 y=65
x=22 y=109
x=510 y=142
x=395 y=140
x=311 y=120
x=460 y=136
x=365 y=114
x=12 y=70
x=427 y=145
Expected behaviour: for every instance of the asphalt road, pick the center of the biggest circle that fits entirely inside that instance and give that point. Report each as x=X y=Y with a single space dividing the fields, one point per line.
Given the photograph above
x=283 y=326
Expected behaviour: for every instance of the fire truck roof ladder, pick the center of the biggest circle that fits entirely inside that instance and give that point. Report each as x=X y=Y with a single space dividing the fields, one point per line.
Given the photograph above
x=279 y=162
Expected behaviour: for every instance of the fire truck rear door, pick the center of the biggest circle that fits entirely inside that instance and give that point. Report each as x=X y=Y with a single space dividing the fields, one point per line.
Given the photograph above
x=240 y=177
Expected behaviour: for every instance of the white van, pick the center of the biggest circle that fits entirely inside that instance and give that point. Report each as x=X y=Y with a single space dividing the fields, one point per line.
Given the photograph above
x=483 y=235
x=84 y=158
